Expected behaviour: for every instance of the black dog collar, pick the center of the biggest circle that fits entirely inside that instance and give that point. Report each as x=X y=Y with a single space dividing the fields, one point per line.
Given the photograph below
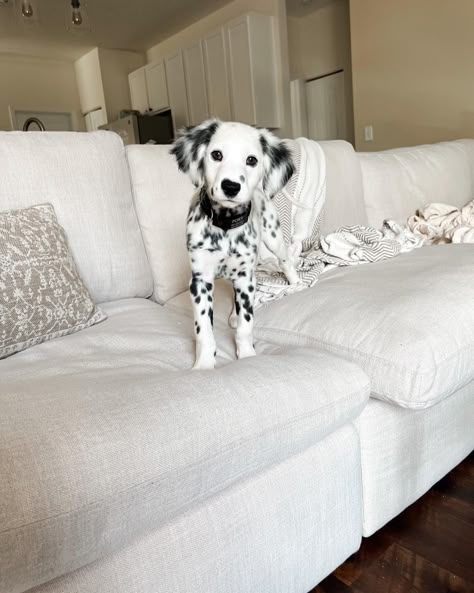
x=225 y=218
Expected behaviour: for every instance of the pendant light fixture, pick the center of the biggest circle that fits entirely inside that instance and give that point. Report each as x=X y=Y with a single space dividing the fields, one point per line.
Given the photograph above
x=27 y=11
x=76 y=15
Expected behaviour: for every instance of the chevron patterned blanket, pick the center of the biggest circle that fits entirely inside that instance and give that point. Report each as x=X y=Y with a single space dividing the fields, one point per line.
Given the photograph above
x=300 y=207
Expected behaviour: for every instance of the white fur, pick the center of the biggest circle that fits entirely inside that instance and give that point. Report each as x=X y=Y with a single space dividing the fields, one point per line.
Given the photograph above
x=260 y=164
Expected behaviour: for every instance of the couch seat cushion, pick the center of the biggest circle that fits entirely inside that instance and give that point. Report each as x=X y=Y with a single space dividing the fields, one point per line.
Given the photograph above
x=106 y=434
x=408 y=322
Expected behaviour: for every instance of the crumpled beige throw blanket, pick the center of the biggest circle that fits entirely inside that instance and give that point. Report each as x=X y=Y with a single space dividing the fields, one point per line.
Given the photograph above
x=443 y=223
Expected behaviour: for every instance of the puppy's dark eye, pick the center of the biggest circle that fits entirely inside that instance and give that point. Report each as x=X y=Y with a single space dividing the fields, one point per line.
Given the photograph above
x=251 y=161
x=216 y=155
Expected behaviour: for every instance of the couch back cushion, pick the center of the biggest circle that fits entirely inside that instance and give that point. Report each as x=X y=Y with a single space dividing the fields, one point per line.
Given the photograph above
x=85 y=177
x=162 y=195
x=397 y=182
x=344 y=190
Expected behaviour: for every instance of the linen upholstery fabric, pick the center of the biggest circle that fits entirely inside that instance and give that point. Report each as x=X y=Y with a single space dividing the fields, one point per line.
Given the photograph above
x=281 y=530
x=397 y=182
x=41 y=294
x=162 y=196
x=408 y=322
x=107 y=434
x=404 y=452
x=85 y=177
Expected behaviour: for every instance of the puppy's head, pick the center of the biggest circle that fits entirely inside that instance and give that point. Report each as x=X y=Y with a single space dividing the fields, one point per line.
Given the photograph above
x=232 y=160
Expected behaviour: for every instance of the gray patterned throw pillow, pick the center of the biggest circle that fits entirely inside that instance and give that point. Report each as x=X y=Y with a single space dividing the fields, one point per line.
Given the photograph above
x=41 y=294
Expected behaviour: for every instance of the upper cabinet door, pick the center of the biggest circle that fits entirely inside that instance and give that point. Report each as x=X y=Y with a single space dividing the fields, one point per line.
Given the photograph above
x=195 y=83
x=156 y=86
x=177 y=89
x=138 y=90
x=241 y=84
x=217 y=80
x=253 y=71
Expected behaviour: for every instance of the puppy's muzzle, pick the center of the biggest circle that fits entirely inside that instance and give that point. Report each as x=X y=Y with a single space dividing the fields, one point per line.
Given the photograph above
x=230 y=188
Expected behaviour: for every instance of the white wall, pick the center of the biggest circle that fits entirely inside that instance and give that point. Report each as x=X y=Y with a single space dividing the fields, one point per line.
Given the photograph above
x=191 y=34
x=38 y=84
x=413 y=71
x=102 y=79
x=115 y=66
x=320 y=43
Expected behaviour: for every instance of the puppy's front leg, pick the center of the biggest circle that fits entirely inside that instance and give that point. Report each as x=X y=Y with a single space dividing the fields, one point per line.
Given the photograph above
x=202 y=290
x=244 y=295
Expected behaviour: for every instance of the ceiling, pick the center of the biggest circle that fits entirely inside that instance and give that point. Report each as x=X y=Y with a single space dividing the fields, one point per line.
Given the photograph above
x=115 y=24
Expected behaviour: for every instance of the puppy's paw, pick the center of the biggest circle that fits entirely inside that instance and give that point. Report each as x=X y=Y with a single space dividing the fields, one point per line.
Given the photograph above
x=204 y=364
x=293 y=277
x=205 y=359
x=245 y=350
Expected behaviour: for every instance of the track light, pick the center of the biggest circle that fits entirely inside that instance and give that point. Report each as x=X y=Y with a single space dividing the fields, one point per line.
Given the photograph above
x=26 y=9
x=76 y=16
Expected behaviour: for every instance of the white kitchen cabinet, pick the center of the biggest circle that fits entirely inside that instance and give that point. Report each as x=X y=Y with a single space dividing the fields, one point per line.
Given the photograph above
x=138 y=90
x=195 y=83
x=217 y=80
x=157 y=89
x=177 y=89
x=148 y=88
x=253 y=70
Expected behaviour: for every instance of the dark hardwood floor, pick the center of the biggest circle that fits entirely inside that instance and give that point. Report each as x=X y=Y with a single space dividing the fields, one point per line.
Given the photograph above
x=429 y=548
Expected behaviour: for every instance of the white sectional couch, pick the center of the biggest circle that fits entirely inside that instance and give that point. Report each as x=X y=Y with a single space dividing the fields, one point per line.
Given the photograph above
x=122 y=471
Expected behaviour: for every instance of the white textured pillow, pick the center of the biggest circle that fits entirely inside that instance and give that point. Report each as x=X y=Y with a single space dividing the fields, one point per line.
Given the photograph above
x=162 y=195
x=41 y=294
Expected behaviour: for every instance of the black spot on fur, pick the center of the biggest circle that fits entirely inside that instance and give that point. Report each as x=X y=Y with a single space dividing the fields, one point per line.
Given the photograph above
x=247 y=317
x=197 y=299
x=198 y=329
x=280 y=157
x=208 y=286
x=188 y=142
x=211 y=315
x=273 y=234
x=194 y=285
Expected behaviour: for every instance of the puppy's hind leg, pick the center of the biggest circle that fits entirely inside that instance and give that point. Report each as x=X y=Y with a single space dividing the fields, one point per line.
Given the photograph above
x=272 y=236
x=202 y=298
x=244 y=294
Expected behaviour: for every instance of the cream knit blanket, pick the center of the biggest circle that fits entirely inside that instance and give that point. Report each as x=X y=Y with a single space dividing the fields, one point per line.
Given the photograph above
x=442 y=223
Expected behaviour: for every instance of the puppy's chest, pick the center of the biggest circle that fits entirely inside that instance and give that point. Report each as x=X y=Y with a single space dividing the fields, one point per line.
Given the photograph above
x=226 y=254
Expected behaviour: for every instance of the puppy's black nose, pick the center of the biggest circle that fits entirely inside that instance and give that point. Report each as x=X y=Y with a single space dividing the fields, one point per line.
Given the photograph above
x=230 y=188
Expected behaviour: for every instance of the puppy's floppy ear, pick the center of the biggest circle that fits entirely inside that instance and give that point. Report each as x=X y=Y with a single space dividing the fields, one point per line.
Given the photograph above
x=190 y=147
x=277 y=163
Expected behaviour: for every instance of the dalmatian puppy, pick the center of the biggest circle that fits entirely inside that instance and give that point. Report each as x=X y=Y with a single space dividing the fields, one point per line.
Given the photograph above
x=236 y=169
